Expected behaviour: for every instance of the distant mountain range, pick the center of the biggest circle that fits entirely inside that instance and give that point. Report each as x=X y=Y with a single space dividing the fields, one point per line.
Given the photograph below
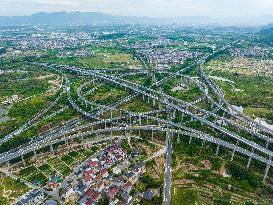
x=86 y=18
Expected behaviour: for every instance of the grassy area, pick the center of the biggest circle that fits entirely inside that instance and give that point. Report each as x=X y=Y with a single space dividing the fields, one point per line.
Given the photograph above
x=188 y=94
x=24 y=84
x=33 y=175
x=107 y=94
x=10 y=190
x=185 y=197
x=255 y=94
x=204 y=185
x=60 y=166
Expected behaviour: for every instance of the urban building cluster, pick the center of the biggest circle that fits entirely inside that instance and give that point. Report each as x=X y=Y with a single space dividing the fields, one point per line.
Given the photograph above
x=36 y=197
x=167 y=56
x=75 y=53
x=249 y=52
x=109 y=176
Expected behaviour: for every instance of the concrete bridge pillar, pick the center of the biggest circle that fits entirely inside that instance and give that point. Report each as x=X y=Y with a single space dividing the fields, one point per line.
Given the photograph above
x=182 y=116
x=82 y=140
x=266 y=171
x=52 y=150
x=217 y=149
x=190 y=140
x=233 y=152
x=139 y=120
x=35 y=153
x=267 y=144
x=178 y=138
x=23 y=160
x=249 y=159
x=9 y=170
x=203 y=143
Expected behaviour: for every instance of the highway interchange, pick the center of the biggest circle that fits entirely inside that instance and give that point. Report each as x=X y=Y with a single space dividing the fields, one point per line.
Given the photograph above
x=92 y=121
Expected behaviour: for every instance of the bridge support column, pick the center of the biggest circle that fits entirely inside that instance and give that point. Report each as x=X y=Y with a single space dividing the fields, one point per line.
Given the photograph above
x=182 y=116
x=190 y=139
x=267 y=144
x=233 y=152
x=9 y=170
x=82 y=140
x=249 y=161
x=152 y=135
x=23 y=160
x=195 y=113
x=266 y=172
x=35 y=154
x=232 y=156
x=52 y=150
x=139 y=120
x=217 y=149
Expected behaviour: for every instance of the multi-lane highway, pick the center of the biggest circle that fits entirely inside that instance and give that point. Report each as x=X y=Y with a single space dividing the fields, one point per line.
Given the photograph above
x=92 y=122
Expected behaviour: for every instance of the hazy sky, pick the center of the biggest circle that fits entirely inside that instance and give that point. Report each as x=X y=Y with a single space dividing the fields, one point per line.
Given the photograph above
x=155 y=8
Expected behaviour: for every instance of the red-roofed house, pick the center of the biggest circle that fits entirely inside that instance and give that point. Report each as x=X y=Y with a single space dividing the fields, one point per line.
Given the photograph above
x=92 y=163
x=128 y=187
x=96 y=196
x=100 y=186
x=113 y=191
x=99 y=177
x=90 y=192
x=104 y=173
x=89 y=202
